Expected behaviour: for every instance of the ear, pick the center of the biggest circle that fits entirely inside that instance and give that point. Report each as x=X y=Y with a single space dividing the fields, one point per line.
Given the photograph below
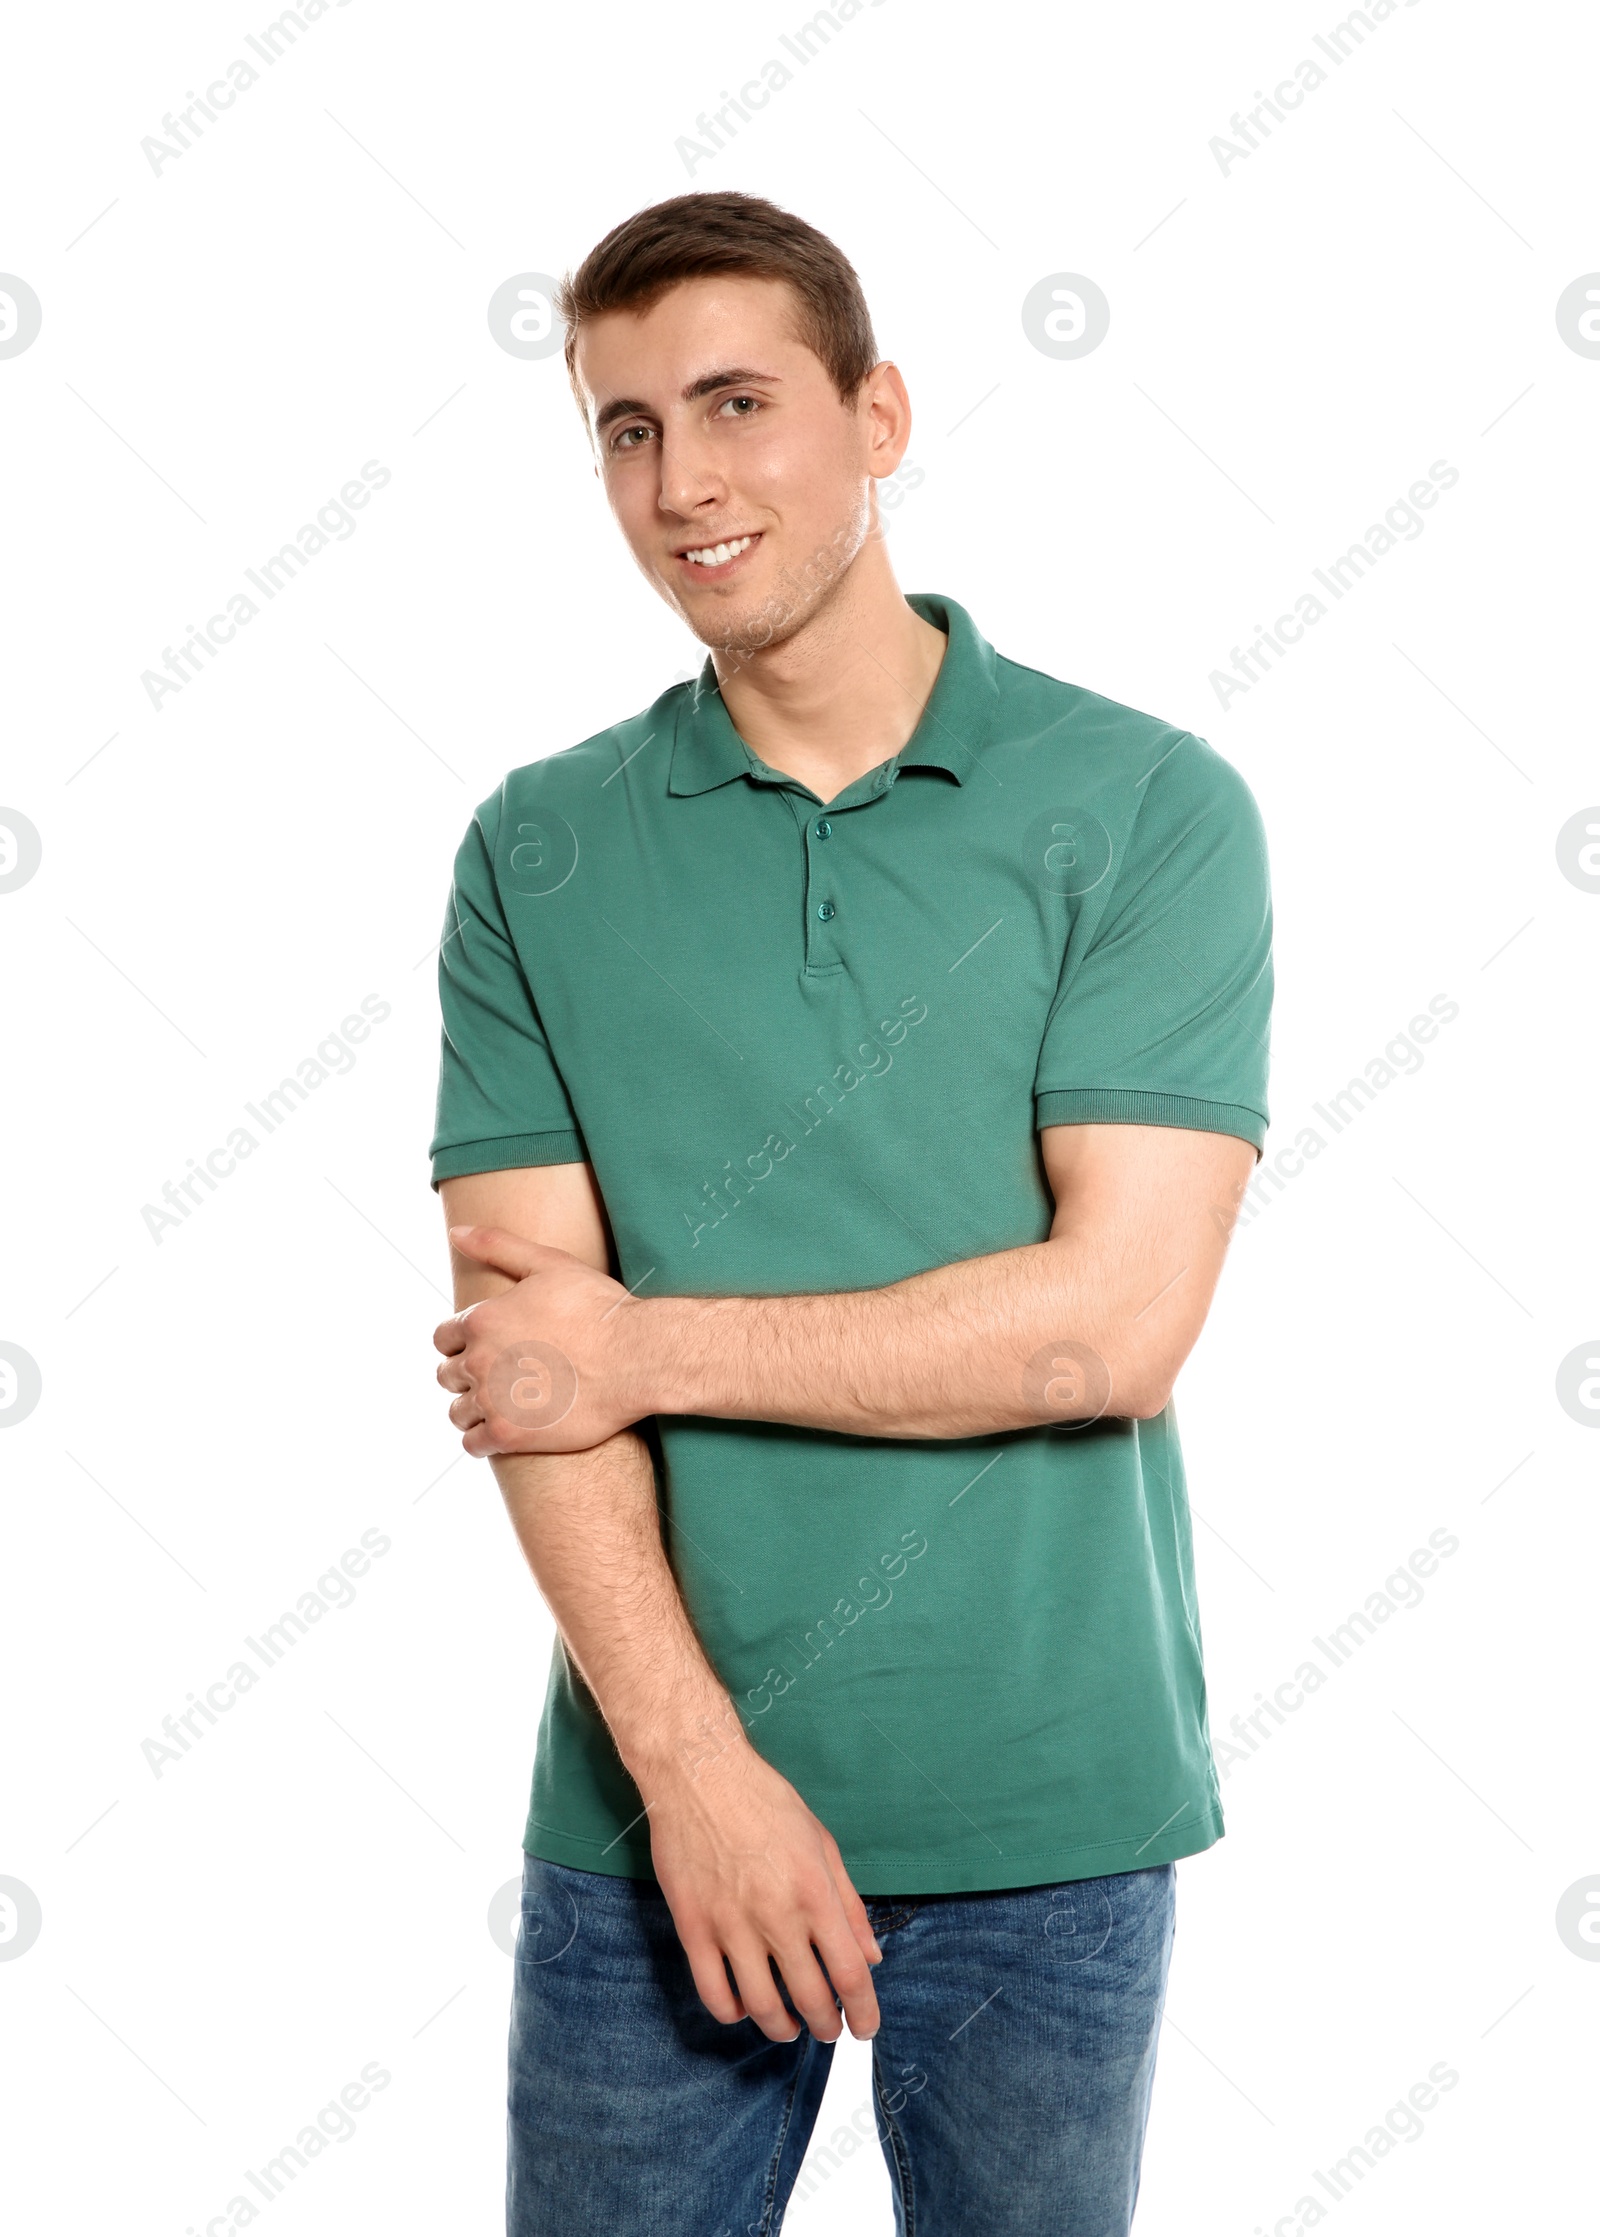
x=888 y=408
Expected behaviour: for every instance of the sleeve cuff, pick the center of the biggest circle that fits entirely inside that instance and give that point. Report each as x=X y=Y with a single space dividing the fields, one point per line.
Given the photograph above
x=1126 y=1106
x=563 y=1146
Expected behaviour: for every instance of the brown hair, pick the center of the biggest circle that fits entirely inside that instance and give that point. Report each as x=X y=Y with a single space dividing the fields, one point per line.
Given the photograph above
x=695 y=234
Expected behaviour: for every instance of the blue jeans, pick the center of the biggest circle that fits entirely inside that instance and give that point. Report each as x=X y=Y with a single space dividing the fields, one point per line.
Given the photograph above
x=1011 y=2070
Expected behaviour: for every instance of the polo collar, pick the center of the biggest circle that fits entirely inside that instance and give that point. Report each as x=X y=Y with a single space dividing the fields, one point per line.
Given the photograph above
x=951 y=735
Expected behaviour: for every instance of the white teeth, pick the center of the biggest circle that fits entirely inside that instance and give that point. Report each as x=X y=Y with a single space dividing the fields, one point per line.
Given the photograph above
x=718 y=555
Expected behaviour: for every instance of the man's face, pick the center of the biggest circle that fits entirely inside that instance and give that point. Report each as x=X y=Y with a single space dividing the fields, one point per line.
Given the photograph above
x=714 y=424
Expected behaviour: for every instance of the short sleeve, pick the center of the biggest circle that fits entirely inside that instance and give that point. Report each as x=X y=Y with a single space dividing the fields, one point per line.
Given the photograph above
x=502 y=1101
x=1163 y=1016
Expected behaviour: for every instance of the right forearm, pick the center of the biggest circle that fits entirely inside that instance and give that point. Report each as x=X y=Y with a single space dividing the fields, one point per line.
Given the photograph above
x=590 y=1527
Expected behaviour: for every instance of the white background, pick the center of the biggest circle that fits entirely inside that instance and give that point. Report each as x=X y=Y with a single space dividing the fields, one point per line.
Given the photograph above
x=225 y=1411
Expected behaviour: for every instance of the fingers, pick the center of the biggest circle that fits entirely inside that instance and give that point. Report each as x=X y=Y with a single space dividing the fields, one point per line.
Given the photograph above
x=765 y=1911
x=758 y=1986
x=507 y=1253
x=451 y=1335
x=734 y=1979
x=850 y=1975
x=754 y=1992
x=465 y=1414
x=716 y=1991
x=854 y=1909
x=811 y=1992
x=849 y=1959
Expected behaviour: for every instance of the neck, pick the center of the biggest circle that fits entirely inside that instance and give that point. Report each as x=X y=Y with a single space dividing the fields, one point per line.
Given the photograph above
x=845 y=692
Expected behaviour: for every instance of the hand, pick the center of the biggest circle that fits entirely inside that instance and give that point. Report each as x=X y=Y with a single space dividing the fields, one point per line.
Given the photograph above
x=541 y=1367
x=751 y=1875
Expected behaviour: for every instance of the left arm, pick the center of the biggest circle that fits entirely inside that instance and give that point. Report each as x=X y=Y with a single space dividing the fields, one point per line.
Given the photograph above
x=1096 y=1320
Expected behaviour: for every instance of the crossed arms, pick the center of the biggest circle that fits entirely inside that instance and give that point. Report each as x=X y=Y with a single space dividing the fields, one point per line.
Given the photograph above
x=1098 y=1319
x=551 y=1362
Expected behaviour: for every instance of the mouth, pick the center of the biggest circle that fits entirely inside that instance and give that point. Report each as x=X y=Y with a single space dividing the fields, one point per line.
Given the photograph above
x=715 y=563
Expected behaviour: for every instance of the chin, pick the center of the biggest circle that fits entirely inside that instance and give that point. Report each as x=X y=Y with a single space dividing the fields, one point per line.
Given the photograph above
x=773 y=615
x=747 y=624
x=757 y=627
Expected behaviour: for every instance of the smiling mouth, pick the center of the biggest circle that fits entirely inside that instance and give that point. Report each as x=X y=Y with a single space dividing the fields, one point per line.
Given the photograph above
x=711 y=562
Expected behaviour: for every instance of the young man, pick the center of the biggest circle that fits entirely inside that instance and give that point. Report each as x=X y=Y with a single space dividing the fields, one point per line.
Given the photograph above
x=850 y=1068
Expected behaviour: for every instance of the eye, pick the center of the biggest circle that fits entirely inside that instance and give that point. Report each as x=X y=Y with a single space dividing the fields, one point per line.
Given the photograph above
x=620 y=442
x=754 y=403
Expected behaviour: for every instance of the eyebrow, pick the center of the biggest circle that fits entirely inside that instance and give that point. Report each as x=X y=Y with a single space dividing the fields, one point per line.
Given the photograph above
x=727 y=376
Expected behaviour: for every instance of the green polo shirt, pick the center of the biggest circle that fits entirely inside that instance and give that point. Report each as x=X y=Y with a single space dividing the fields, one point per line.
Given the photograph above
x=809 y=1047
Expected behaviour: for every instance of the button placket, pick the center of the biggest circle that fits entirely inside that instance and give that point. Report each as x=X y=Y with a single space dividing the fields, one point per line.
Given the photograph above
x=822 y=901
x=823 y=830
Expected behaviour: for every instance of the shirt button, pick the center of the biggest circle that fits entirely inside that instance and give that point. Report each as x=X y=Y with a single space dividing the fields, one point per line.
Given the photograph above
x=824 y=829
x=825 y=910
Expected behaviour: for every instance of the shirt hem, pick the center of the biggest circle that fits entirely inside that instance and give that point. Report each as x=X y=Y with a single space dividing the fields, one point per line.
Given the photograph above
x=557 y=1146
x=1087 y=1106
x=880 y=1876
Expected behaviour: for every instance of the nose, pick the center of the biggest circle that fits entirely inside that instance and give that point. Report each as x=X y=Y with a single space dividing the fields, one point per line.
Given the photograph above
x=691 y=481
